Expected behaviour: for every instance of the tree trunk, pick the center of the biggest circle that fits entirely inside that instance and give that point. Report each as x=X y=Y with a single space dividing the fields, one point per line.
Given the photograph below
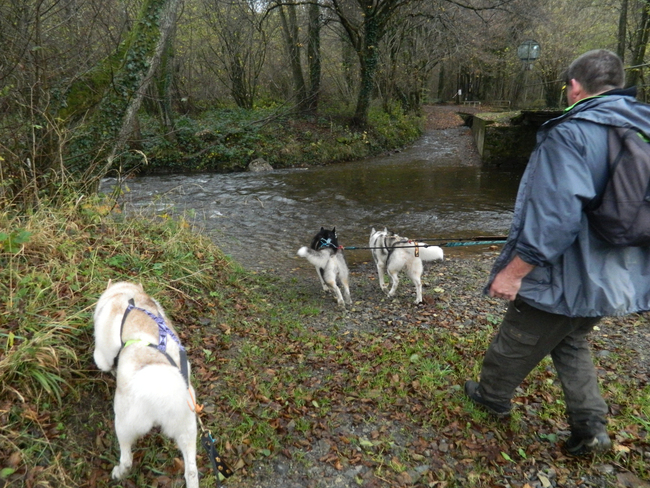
x=640 y=45
x=239 y=87
x=314 y=58
x=348 y=64
x=164 y=89
x=292 y=40
x=368 y=59
x=622 y=30
x=441 y=82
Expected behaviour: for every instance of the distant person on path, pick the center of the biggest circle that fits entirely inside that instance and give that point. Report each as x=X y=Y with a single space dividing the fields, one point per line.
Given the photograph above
x=557 y=275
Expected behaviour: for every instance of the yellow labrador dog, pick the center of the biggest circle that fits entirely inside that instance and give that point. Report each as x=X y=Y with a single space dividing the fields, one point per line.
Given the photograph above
x=133 y=335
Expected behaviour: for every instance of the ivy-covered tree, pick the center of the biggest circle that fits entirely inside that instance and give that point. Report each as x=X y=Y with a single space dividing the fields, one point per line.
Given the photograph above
x=112 y=92
x=365 y=22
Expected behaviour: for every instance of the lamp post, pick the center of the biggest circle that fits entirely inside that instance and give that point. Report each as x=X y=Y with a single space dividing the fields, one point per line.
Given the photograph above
x=528 y=52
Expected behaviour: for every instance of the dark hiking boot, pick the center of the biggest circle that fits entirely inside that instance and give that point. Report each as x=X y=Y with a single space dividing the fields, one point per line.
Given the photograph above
x=581 y=446
x=498 y=409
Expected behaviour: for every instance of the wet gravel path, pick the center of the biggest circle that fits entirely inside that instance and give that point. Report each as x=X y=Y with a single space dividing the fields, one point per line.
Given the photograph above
x=453 y=301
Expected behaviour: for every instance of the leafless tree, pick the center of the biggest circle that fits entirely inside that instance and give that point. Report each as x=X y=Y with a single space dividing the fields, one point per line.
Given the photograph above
x=639 y=43
x=238 y=45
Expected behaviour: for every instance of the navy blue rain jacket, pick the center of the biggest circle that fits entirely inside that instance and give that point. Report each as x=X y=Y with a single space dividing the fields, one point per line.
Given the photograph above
x=576 y=273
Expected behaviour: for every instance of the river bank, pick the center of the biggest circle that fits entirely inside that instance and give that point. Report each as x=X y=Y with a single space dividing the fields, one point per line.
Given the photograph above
x=435 y=188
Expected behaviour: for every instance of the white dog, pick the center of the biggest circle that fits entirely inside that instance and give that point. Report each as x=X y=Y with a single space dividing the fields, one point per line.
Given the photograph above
x=133 y=334
x=392 y=253
x=330 y=264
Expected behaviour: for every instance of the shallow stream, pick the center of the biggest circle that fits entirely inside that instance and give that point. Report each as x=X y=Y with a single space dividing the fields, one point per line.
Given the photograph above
x=436 y=188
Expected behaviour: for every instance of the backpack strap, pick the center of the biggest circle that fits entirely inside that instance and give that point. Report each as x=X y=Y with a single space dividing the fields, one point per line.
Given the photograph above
x=615 y=137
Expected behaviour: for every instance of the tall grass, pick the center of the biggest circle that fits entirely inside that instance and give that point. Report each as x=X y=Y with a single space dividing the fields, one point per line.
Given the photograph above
x=54 y=264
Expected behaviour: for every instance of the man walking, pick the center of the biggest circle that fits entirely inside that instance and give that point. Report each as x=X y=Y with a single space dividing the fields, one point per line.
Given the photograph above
x=558 y=276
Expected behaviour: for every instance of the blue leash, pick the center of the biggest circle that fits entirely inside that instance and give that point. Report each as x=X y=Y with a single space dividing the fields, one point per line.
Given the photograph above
x=471 y=243
x=442 y=244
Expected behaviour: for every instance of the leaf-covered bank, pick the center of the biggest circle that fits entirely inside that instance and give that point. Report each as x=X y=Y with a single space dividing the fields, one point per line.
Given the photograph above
x=297 y=392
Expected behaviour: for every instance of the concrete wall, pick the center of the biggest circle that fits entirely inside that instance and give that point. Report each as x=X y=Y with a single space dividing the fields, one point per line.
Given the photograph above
x=504 y=138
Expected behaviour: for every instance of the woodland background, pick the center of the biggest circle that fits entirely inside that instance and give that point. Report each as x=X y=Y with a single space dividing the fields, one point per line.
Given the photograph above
x=92 y=86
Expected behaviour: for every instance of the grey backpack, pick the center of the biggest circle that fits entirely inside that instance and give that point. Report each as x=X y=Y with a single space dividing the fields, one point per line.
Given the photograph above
x=621 y=215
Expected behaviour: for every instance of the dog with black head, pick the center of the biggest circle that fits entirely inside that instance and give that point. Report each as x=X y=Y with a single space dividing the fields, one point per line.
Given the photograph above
x=326 y=255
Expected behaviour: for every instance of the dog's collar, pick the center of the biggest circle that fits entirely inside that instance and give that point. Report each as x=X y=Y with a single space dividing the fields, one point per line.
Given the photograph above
x=133 y=341
x=325 y=243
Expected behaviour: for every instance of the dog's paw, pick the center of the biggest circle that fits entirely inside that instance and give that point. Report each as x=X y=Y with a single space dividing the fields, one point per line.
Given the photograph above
x=119 y=471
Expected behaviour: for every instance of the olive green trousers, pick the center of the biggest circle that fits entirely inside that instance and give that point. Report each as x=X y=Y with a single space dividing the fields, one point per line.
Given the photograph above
x=525 y=337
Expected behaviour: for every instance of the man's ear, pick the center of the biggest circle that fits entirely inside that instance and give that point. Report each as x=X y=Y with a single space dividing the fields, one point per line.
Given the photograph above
x=578 y=91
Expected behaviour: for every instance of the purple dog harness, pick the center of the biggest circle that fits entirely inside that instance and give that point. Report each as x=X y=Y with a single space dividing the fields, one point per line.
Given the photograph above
x=163 y=332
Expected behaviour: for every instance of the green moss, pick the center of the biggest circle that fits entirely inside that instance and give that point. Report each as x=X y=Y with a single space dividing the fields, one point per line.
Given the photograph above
x=111 y=86
x=498 y=118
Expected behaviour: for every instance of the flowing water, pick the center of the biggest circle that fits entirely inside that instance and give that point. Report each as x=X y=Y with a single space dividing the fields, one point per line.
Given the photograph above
x=433 y=189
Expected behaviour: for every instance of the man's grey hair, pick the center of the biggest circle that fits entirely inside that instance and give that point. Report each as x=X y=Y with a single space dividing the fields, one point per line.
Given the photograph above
x=597 y=71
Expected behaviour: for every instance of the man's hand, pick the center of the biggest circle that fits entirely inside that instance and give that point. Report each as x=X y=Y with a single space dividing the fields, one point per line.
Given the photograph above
x=507 y=282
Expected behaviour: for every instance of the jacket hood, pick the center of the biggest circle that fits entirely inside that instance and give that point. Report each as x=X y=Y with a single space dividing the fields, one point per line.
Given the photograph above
x=617 y=108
